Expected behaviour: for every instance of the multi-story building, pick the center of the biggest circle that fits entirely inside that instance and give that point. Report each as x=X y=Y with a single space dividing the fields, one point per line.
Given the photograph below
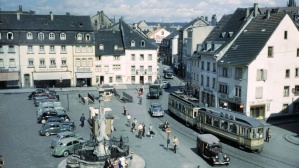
x=169 y=50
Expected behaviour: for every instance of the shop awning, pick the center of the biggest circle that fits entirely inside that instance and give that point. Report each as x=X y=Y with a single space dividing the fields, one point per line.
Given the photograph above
x=9 y=76
x=51 y=75
x=83 y=75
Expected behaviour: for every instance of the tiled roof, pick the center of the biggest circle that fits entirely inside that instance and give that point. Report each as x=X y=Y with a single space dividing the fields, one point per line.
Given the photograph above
x=252 y=40
x=109 y=38
x=215 y=33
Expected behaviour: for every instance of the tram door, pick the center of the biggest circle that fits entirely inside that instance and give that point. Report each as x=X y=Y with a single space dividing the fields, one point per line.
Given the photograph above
x=242 y=132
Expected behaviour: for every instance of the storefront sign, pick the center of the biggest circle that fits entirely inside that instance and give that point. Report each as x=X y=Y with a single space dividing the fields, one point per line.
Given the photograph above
x=51 y=69
x=83 y=69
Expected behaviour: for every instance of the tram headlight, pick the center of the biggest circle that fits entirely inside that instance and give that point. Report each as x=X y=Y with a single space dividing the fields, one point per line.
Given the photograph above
x=216 y=156
x=224 y=155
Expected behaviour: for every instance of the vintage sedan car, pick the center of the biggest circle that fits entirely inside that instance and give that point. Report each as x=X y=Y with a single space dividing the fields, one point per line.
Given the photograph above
x=156 y=110
x=67 y=146
x=210 y=148
x=39 y=92
x=59 y=118
x=64 y=135
x=52 y=128
x=45 y=115
x=166 y=84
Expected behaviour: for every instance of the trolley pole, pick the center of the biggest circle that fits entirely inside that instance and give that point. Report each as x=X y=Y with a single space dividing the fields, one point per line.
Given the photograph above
x=168 y=131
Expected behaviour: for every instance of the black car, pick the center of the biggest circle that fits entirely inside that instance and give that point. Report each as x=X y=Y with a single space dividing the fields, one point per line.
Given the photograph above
x=45 y=115
x=59 y=118
x=41 y=92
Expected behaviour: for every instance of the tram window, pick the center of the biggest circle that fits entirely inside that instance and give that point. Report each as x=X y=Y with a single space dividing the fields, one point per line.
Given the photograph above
x=208 y=120
x=176 y=104
x=260 y=132
x=216 y=122
x=224 y=125
x=233 y=128
x=194 y=113
x=180 y=106
x=248 y=133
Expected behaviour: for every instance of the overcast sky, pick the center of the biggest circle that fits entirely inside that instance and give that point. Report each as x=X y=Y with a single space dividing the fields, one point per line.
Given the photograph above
x=136 y=10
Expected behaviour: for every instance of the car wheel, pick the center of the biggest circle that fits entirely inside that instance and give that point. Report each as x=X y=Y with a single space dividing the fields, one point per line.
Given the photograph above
x=47 y=133
x=43 y=121
x=65 y=153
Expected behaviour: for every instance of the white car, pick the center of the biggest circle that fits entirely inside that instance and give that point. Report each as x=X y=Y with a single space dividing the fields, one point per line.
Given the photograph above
x=156 y=110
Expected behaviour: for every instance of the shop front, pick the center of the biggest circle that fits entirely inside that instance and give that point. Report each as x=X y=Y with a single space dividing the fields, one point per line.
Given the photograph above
x=9 y=80
x=52 y=79
x=83 y=79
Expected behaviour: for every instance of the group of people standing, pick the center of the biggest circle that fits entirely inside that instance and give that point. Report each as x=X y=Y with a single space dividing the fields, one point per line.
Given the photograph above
x=140 y=128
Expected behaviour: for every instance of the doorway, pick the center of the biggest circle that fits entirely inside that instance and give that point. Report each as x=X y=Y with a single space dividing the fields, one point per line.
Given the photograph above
x=26 y=80
x=141 y=79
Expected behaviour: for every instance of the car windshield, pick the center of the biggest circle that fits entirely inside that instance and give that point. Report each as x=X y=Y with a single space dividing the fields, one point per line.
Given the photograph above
x=156 y=106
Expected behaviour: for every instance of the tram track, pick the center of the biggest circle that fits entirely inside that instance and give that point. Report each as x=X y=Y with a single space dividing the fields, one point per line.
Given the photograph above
x=255 y=159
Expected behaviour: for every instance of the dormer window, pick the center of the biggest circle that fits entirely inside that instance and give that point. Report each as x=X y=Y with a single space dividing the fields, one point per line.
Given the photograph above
x=230 y=34
x=132 y=43
x=223 y=34
x=62 y=36
x=142 y=43
x=51 y=36
x=29 y=36
x=79 y=36
x=9 y=35
x=101 y=47
x=87 y=37
x=115 y=47
x=41 y=36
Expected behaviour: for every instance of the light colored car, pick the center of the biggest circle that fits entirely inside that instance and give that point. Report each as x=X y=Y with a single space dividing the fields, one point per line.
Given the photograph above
x=55 y=128
x=64 y=135
x=166 y=84
x=156 y=110
x=67 y=146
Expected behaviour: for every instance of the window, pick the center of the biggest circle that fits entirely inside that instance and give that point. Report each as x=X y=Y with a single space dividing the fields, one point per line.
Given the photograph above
x=89 y=49
x=78 y=49
x=1 y=63
x=0 y=35
x=141 y=57
x=101 y=47
x=10 y=36
x=270 y=52
x=11 y=49
x=63 y=62
x=214 y=67
x=79 y=36
x=141 y=68
x=261 y=75
x=208 y=81
x=78 y=62
x=225 y=72
x=87 y=37
x=133 y=78
x=1 y=49
x=285 y=108
x=133 y=57
x=202 y=65
x=285 y=34
x=62 y=36
x=208 y=66
x=297 y=90
x=29 y=36
x=116 y=67
x=150 y=57
x=89 y=62
x=238 y=91
x=238 y=73
x=118 y=78
x=51 y=36
x=296 y=72
x=232 y=128
x=83 y=62
x=286 y=91
x=259 y=92
x=29 y=49
x=132 y=43
x=41 y=36
x=223 y=88
x=224 y=125
x=110 y=79
x=84 y=49
x=52 y=62
x=150 y=68
x=201 y=80
x=106 y=68
x=42 y=63
x=41 y=49
x=216 y=122
x=12 y=63
x=115 y=47
x=52 y=49
x=287 y=73
x=214 y=83
x=117 y=58
x=63 y=49
x=142 y=43
x=30 y=62
x=98 y=58
x=133 y=69
x=297 y=52
x=98 y=68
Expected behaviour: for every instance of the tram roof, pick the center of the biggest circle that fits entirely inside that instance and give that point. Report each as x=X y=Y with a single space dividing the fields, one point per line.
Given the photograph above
x=234 y=116
x=208 y=138
x=190 y=100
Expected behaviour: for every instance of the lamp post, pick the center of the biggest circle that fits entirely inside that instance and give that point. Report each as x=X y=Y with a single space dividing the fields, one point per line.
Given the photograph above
x=168 y=131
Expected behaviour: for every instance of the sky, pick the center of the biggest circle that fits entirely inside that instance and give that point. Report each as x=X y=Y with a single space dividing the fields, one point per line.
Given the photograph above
x=133 y=11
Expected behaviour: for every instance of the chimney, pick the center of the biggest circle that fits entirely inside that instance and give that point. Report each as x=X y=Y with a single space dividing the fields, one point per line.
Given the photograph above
x=206 y=18
x=247 y=12
x=52 y=17
x=202 y=17
x=68 y=13
x=214 y=20
x=255 y=9
x=268 y=14
x=18 y=15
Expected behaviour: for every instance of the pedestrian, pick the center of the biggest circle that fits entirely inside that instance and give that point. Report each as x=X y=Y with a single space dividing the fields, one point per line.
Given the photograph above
x=143 y=129
x=268 y=134
x=175 y=143
x=108 y=163
x=140 y=128
x=136 y=89
x=82 y=119
x=134 y=124
x=129 y=120
x=125 y=109
x=151 y=132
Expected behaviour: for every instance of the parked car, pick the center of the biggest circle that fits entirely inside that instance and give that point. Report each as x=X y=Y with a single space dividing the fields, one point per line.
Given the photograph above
x=54 y=128
x=45 y=115
x=38 y=100
x=166 y=84
x=64 y=135
x=38 y=92
x=156 y=110
x=67 y=146
x=210 y=148
x=59 y=118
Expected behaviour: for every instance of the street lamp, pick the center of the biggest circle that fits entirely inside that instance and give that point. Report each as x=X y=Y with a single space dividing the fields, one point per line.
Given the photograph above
x=61 y=83
x=168 y=131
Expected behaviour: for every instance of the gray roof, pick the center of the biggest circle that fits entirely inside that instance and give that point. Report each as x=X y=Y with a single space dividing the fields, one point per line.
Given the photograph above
x=208 y=138
x=251 y=41
x=109 y=38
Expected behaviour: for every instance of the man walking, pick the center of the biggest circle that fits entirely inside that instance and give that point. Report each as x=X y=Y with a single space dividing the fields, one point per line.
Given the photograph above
x=140 y=128
x=268 y=135
x=82 y=119
x=125 y=109
x=175 y=143
x=129 y=120
x=151 y=132
x=143 y=129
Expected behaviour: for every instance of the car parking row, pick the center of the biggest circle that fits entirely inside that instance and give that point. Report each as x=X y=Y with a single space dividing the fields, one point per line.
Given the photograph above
x=54 y=120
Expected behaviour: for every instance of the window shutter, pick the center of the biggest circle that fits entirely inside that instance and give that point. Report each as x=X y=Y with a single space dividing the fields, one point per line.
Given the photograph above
x=258 y=74
x=265 y=74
